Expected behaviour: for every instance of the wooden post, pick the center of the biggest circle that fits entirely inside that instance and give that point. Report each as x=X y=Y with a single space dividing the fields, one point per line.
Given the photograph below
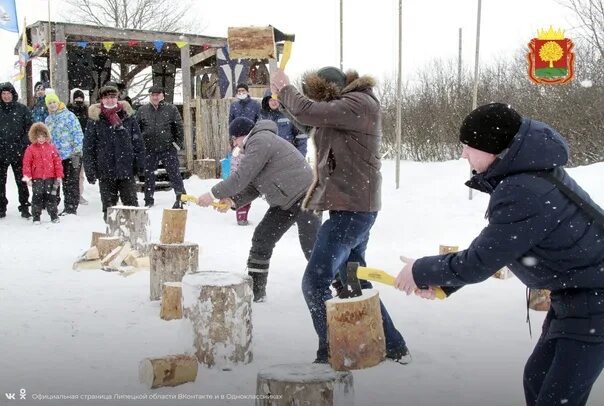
x=95 y=238
x=130 y=224
x=60 y=74
x=205 y=168
x=169 y=263
x=185 y=65
x=219 y=305
x=171 y=370
x=107 y=244
x=304 y=384
x=171 y=301
x=355 y=331
x=173 y=226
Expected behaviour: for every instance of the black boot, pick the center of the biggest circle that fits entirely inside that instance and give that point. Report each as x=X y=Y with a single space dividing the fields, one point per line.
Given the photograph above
x=25 y=212
x=259 y=285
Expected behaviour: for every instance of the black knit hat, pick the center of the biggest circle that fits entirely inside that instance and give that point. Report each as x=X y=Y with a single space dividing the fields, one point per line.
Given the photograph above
x=490 y=128
x=108 y=89
x=243 y=86
x=78 y=94
x=156 y=89
x=333 y=75
x=240 y=126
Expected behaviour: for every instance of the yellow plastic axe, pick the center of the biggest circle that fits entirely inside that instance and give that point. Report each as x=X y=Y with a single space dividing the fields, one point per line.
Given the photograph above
x=193 y=199
x=377 y=275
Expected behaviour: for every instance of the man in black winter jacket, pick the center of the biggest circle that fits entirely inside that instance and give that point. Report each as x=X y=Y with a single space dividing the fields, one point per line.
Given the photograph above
x=15 y=120
x=161 y=127
x=548 y=231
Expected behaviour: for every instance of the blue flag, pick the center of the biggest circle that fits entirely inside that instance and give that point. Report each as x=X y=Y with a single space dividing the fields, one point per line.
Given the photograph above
x=8 y=16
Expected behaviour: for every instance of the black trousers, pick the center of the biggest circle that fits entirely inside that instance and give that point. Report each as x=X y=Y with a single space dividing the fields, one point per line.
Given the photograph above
x=561 y=370
x=271 y=228
x=113 y=190
x=172 y=166
x=45 y=196
x=71 y=186
x=17 y=165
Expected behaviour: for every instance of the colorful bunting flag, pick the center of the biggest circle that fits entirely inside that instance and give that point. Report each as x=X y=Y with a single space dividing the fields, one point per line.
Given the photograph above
x=181 y=44
x=30 y=48
x=8 y=16
x=82 y=44
x=133 y=43
x=59 y=46
x=159 y=44
x=108 y=45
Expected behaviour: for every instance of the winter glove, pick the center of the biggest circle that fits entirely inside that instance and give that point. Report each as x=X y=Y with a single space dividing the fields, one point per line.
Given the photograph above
x=76 y=160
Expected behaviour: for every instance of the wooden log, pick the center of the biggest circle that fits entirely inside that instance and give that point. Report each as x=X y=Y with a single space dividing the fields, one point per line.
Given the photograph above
x=303 y=384
x=447 y=249
x=355 y=332
x=132 y=257
x=111 y=256
x=92 y=253
x=171 y=370
x=173 y=226
x=80 y=265
x=251 y=43
x=142 y=262
x=130 y=224
x=169 y=263
x=503 y=273
x=205 y=168
x=107 y=244
x=219 y=306
x=95 y=237
x=539 y=299
x=121 y=256
x=171 y=301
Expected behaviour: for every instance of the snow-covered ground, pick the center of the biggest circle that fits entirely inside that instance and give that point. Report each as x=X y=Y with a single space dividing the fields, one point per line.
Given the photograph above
x=64 y=332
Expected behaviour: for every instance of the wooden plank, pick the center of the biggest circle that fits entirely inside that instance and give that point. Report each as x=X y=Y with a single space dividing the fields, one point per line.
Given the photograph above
x=59 y=80
x=199 y=130
x=202 y=56
x=251 y=43
x=185 y=64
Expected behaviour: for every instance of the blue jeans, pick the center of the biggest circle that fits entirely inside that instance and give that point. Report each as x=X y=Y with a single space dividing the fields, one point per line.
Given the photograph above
x=342 y=238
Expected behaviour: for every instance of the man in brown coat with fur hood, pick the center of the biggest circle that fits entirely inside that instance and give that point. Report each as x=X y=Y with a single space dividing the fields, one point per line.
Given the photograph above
x=347 y=125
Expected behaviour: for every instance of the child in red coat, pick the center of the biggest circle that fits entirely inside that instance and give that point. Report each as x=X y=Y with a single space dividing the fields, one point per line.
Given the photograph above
x=43 y=170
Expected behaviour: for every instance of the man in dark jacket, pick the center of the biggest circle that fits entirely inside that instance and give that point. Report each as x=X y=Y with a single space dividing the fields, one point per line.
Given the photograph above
x=39 y=111
x=15 y=120
x=161 y=127
x=79 y=107
x=271 y=167
x=114 y=152
x=347 y=120
x=287 y=130
x=548 y=240
x=245 y=106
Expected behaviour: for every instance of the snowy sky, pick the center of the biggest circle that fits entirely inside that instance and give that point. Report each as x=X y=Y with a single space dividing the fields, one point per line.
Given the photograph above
x=370 y=32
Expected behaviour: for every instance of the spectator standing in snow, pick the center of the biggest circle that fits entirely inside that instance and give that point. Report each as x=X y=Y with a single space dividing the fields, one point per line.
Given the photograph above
x=43 y=169
x=15 y=120
x=347 y=120
x=249 y=108
x=287 y=130
x=79 y=107
x=271 y=167
x=39 y=111
x=67 y=136
x=548 y=231
x=114 y=152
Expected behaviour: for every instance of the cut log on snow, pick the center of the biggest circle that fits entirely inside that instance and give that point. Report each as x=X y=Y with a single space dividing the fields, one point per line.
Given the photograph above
x=171 y=370
x=107 y=244
x=205 y=168
x=132 y=257
x=355 y=332
x=219 y=306
x=92 y=253
x=503 y=273
x=304 y=385
x=118 y=259
x=539 y=299
x=95 y=237
x=447 y=249
x=173 y=226
x=169 y=263
x=171 y=301
x=130 y=224
x=93 y=264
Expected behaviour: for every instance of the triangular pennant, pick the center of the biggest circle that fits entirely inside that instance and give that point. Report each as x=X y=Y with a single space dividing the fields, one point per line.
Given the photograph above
x=19 y=76
x=30 y=48
x=205 y=47
x=181 y=44
x=108 y=45
x=159 y=44
x=133 y=43
x=82 y=44
x=59 y=46
x=25 y=56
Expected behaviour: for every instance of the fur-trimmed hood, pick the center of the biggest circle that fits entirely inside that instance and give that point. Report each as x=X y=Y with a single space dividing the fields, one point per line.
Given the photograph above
x=35 y=129
x=318 y=89
x=94 y=111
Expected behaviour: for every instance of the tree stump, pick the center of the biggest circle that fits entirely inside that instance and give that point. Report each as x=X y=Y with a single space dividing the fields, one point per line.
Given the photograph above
x=539 y=299
x=171 y=301
x=205 y=168
x=219 y=306
x=304 y=385
x=107 y=244
x=171 y=370
x=130 y=224
x=355 y=331
x=169 y=263
x=173 y=226
x=95 y=238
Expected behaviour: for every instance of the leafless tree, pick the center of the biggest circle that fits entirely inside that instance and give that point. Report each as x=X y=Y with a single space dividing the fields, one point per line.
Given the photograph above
x=590 y=15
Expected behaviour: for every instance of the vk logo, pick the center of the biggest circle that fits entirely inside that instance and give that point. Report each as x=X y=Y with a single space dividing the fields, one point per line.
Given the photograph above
x=10 y=396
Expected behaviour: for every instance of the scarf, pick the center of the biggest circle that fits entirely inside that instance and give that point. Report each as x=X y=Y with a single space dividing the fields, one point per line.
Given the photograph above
x=111 y=114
